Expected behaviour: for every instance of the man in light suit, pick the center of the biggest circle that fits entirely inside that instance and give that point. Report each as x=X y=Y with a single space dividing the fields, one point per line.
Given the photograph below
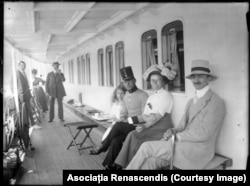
x=196 y=133
x=54 y=87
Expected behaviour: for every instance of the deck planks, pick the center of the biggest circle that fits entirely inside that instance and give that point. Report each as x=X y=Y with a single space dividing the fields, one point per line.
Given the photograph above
x=51 y=156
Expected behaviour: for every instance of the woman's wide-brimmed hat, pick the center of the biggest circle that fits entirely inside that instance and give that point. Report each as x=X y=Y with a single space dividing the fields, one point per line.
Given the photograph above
x=201 y=66
x=165 y=72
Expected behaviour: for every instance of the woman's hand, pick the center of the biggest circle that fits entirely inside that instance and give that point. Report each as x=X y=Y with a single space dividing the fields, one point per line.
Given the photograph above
x=168 y=134
x=140 y=128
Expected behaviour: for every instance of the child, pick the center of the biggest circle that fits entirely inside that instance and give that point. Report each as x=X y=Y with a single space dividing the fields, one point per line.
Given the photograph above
x=118 y=110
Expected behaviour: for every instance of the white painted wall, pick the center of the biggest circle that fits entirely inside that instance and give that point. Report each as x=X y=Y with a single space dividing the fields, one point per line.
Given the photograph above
x=18 y=56
x=7 y=67
x=216 y=32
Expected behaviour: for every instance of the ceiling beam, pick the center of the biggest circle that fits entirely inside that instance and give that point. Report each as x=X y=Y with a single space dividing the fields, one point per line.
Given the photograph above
x=116 y=18
x=47 y=38
x=32 y=20
x=76 y=18
x=141 y=5
x=62 y=32
x=82 y=6
x=33 y=47
x=10 y=40
x=77 y=32
x=121 y=15
x=57 y=46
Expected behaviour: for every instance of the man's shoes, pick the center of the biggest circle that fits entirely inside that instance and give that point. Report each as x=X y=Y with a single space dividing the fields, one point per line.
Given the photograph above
x=50 y=121
x=36 y=126
x=96 y=150
x=62 y=120
x=109 y=167
x=116 y=166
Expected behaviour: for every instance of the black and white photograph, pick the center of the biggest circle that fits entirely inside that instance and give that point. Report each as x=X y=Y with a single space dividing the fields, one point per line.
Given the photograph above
x=124 y=86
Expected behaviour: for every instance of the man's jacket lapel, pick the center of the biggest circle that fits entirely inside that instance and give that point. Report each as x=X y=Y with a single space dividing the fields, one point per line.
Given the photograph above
x=202 y=102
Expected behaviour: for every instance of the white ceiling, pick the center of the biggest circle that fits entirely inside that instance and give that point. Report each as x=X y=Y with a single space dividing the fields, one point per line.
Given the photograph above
x=46 y=31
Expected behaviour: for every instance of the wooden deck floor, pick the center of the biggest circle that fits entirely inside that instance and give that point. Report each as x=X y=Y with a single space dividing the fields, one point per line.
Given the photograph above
x=51 y=156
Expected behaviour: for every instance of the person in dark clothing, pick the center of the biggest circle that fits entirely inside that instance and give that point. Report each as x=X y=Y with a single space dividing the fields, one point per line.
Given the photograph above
x=38 y=91
x=24 y=94
x=54 y=87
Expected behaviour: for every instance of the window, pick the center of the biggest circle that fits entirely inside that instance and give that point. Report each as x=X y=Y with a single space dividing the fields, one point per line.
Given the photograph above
x=83 y=69
x=173 y=52
x=88 y=78
x=100 y=67
x=71 y=72
x=79 y=72
x=109 y=66
x=149 y=53
x=119 y=59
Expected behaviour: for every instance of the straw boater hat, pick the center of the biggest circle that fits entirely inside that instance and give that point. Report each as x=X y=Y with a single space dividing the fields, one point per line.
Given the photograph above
x=200 y=66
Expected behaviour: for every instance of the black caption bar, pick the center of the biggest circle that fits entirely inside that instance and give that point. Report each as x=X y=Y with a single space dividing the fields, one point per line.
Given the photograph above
x=76 y=177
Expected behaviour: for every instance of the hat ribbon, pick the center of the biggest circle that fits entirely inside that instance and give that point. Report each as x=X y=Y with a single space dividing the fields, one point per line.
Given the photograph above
x=200 y=68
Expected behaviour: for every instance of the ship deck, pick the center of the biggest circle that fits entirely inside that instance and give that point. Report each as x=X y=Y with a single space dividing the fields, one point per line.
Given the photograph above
x=51 y=157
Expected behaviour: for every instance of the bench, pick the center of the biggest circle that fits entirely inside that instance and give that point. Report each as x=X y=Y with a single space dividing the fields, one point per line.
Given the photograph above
x=80 y=125
x=219 y=162
x=86 y=112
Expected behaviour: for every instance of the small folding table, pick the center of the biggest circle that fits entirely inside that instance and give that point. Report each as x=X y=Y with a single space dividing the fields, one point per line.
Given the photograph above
x=80 y=125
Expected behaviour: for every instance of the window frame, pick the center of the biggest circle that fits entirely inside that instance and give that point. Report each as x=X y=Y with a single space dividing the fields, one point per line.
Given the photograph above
x=79 y=71
x=100 y=57
x=109 y=66
x=82 y=66
x=69 y=63
x=72 y=71
x=175 y=26
x=88 y=69
x=119 y=60
x=150 y=34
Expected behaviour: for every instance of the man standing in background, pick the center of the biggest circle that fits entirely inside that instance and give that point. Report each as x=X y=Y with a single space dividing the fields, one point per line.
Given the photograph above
x=54 y=87
x=23 y=90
